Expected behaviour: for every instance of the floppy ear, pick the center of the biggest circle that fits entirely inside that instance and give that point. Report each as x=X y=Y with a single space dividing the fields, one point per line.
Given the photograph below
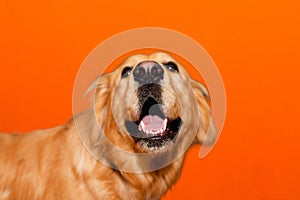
x=206 y=131
x=103 y=89
x=90 y=123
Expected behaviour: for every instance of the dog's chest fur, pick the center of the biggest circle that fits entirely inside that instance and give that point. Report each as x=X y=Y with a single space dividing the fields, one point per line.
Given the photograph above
x=45 y=165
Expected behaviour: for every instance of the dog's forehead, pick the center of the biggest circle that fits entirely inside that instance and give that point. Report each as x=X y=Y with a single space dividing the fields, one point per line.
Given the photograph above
x=133 y=60
x=159 y=57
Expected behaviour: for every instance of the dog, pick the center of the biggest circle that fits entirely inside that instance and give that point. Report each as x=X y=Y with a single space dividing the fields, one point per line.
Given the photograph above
x=149 y=105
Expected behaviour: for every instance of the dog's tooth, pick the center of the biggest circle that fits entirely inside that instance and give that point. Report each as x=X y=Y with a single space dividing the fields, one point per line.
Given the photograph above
x=158 y=131
x=161 y=130
x=143 y=126
x=165 y=124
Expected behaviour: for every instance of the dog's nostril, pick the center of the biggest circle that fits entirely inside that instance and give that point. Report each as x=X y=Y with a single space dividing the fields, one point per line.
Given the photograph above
x=148 y=72
x=139 y=72
x=156 y=71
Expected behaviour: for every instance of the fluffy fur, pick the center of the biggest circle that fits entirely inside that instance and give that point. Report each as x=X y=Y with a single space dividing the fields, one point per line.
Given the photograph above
x=54 y=164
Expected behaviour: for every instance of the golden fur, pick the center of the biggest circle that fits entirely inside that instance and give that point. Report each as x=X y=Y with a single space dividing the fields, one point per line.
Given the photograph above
x=54 y=164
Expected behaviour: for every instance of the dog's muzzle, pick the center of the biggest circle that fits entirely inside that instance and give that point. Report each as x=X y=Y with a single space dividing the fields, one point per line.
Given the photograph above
x=153 y=129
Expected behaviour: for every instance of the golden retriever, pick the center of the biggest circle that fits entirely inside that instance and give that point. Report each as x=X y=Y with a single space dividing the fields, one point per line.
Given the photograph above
x=149 y=105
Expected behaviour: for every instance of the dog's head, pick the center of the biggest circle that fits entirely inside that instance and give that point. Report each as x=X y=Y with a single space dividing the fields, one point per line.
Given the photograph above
x=150 y=102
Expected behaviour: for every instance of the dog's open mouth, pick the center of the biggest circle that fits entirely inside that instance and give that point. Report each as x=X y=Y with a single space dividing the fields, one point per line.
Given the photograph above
x=154 y=129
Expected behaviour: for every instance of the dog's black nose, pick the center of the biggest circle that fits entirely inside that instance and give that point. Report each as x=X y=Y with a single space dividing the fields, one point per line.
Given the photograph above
x=148 y=72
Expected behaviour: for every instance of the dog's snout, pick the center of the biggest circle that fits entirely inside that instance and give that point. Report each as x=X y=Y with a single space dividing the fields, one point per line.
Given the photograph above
x=148 y=72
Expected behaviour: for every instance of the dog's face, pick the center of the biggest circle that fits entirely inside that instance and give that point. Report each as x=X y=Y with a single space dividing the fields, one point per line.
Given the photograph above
x=151 y=102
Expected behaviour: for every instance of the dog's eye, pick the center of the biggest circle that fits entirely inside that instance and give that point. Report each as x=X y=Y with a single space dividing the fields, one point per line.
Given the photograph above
x=171 y=66
x=126 y=72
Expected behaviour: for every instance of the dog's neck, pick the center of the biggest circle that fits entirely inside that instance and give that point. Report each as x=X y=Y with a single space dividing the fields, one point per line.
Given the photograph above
x=153 y=185
x=123 y=185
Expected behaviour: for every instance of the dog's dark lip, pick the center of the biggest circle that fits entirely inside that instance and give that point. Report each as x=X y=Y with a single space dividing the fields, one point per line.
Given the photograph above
x=171 y=131
x=170 y=134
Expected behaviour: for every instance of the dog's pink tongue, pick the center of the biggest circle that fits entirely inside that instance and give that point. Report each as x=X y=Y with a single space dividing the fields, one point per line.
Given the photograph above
x=153 y=122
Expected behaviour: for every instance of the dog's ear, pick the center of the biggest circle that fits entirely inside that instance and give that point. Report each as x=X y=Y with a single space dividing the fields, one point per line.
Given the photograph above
x=101 y=90
x=206 y=131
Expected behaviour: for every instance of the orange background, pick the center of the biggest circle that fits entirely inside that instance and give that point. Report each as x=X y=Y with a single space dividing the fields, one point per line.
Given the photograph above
x=255 y=44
